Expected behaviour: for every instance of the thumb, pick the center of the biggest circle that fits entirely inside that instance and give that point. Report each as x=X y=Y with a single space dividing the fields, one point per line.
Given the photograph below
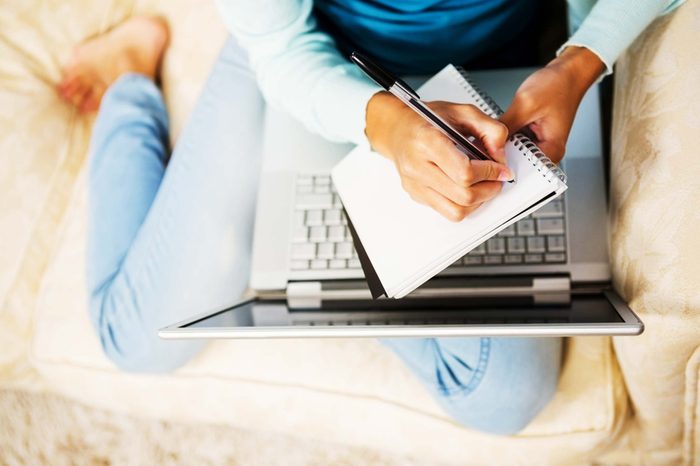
x=514 y=118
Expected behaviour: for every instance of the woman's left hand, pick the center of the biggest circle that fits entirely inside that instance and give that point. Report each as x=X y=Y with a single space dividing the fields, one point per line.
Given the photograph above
x=547 y=101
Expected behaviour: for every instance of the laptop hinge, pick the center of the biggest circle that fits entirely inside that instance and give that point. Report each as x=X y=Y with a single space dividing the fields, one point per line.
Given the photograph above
x=311 y=294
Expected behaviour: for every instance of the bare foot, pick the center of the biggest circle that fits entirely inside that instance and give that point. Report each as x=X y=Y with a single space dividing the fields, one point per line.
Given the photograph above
x=136 y=45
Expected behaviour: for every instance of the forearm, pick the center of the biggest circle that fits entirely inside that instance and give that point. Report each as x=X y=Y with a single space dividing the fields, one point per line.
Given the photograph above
x=298 y=68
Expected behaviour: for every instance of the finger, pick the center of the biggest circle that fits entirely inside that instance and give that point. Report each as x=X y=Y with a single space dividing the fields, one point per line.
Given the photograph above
x=438 y=202
x=554 y=150
x=515 y=117
x=486 y=170
x=461 y=170
x=474 y=194
x=491 y=132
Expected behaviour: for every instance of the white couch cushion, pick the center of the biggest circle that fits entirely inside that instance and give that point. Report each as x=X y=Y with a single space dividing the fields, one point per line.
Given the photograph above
x=351 y=391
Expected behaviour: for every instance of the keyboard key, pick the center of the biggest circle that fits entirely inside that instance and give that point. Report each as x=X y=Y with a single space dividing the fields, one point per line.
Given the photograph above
x=553 y=209
x=343 y=250
x=471 y=260
x=533 y=258
x=299 y=265
x=303 y=251
x=331 y=217
x=555 y=257
x=323 y=189
x=337 y=203
x=490 y=260
x=319 y=264
x=496 y=246
x=556 y=244
x=304 y=180
x=480 y=250
x=348 y=236
x=325 y=251
x=516 y=245
x=354 y=264
x=314 y=201
x=508 y=231
x=317 y=234
x=305 y=188
x=535 y=244
x=526 y=227
x=322 y=180
x=314 y=218
x=336 y=233
x=550 y=226
x=300 y=234
x=338 y=264
x=513 y=259
x=299 y=217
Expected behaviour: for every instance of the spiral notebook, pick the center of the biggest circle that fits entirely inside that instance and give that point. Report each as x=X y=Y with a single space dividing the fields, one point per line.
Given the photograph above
x=402 y=244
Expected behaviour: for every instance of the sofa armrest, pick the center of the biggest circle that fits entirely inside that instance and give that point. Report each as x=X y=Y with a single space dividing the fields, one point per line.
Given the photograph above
x=655 y=223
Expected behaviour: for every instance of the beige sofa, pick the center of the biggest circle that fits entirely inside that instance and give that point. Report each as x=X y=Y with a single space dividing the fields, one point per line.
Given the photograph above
x=629 y=400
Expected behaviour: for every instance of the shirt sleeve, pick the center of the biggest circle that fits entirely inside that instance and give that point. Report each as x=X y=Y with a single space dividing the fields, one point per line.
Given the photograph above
x=612 y=25
x=299 y=68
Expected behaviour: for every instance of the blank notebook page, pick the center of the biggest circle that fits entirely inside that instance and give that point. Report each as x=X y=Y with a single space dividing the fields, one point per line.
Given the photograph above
x=409 y=243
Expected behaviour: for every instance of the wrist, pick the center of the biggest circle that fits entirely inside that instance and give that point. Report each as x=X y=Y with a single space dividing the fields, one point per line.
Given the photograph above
x=377 y=120
x=582 y=67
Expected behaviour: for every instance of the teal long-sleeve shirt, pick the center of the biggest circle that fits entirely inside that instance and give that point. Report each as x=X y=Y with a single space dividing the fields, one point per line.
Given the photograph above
x=301 y=71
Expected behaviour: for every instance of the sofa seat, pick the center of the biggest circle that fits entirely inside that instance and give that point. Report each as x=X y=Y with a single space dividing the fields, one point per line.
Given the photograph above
x=344 y=390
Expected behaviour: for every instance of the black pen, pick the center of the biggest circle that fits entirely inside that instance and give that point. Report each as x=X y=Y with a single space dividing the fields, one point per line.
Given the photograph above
x=407 y=95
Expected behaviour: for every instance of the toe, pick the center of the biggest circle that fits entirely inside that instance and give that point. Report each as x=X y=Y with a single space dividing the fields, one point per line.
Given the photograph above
x=79 y=96
x=91 y=102
x=69 y=86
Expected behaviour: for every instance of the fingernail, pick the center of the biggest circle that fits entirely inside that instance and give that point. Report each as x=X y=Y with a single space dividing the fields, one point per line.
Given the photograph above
x=506 y=175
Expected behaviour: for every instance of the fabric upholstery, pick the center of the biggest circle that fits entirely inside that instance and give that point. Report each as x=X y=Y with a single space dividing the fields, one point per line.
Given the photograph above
x=655 y=222
x=342 y=390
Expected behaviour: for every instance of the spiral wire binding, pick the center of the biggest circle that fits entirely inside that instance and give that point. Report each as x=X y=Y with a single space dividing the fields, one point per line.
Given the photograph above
x=526 y=147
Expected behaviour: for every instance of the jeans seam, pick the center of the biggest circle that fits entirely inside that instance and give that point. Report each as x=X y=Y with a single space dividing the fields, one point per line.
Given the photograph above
x=484 y=353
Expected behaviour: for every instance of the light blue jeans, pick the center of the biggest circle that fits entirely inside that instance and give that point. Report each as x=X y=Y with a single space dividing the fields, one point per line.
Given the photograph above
x=165 y=243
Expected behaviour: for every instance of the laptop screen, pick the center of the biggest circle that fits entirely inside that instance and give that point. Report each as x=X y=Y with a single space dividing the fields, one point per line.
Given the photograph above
x=555 y=309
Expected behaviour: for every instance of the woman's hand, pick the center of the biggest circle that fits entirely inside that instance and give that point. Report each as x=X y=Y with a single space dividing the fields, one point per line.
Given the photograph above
x=547 y=101
x=433 y=171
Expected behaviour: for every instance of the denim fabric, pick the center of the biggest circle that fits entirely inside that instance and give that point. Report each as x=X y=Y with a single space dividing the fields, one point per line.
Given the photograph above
x=495 y=385
x=165 y=244
x=169 y=238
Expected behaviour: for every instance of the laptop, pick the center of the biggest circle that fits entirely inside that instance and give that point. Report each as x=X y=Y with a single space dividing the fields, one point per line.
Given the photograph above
x=546 y=275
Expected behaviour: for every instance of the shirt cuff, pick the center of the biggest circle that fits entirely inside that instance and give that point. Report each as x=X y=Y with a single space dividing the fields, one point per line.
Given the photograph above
x=605 y=32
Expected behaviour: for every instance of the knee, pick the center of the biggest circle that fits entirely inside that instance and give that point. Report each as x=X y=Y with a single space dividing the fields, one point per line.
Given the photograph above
x=518 y=379
x=133 y=103
x=130 y=339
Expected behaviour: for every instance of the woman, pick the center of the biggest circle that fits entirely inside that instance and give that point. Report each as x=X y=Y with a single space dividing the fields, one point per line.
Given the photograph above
x=165 y=242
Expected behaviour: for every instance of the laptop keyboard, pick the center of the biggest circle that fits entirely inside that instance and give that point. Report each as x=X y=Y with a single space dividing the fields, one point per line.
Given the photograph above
x=321 y=239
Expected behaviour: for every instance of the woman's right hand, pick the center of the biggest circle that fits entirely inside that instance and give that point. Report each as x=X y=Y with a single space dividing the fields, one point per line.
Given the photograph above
x=433 y=171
